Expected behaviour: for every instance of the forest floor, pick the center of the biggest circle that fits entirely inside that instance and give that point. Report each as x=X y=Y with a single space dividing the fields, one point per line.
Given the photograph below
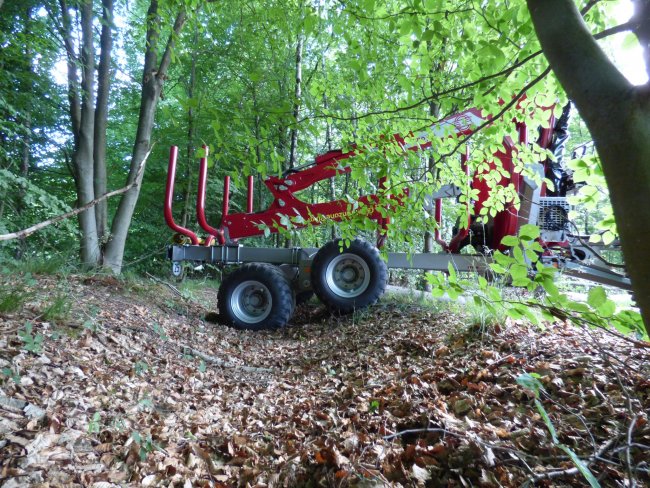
x=110 y=382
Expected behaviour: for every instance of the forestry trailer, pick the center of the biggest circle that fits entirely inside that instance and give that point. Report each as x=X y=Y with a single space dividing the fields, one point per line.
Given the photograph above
x=263 y=290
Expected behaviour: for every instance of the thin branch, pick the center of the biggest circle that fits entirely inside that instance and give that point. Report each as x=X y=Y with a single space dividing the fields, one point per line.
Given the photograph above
x=403 y=12
x=591 y=4
x=571 y=471
x=506 y=107
x=167 y=55
x=624 y=27
x=21 y=234
x=628 y=456
x=168 y=285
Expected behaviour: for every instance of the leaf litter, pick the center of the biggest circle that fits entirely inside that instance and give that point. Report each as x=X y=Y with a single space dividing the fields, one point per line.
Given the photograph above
x=135 y=388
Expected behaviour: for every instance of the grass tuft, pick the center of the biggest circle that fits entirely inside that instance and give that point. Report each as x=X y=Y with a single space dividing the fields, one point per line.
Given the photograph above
x=58 y=310
x=12 y=300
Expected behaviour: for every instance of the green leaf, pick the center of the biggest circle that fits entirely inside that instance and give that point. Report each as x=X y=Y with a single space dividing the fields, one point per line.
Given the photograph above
x=427 y=35
x=607 y=309
x=547 y=420
x=519 y=272
x=582 y=467
x=596 y=297
x=502 y=259
x=509 y=241
x=452 y=272
x=514 y=313
x=518 y=255
x=497 y=268
x=549 y=286
x=530 y=381
x=529 y=232
x=494 y=294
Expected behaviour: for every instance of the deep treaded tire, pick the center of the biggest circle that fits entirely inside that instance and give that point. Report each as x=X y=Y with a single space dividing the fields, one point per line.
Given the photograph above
x=256 y=296
x=348 y=280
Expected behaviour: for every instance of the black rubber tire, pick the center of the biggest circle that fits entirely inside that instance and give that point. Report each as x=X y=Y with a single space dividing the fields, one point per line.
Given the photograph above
x=256 y=296
x=366 y=280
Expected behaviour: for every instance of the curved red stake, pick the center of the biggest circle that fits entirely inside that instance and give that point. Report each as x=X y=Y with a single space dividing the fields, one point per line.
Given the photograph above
x=169 y=196
x=200 y=201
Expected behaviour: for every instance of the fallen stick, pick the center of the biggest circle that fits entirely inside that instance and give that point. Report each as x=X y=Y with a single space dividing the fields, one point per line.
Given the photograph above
x=169 y=285
x=21 y=234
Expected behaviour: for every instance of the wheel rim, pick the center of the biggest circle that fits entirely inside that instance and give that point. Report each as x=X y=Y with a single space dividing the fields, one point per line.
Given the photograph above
x=347 y=275
x=251 y=302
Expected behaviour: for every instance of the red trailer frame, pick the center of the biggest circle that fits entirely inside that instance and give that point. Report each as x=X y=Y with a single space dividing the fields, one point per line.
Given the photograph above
x=254 y=288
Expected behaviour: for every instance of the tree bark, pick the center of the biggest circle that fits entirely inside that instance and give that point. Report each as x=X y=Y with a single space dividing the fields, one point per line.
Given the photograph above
x=73 y=78
x=328 y=147
x=191 y=130
x=296 y=104
x=82 y=157
x=618 y=117
x=25 y=87
x=101 y=118
x=153 y=78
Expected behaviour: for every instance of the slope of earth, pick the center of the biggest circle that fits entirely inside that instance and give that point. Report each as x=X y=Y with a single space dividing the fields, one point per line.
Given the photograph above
x=116 y=383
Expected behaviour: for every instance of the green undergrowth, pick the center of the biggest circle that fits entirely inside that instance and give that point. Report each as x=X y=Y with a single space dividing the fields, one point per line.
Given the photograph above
x=12 y=299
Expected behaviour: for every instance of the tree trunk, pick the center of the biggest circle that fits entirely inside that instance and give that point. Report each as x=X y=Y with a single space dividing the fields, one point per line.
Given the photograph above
x=328 y=147
x=25 y=87
x=434 y=111
x=618 y=117
x=258 y=155
x=82 y=157
x=191 y=130
x=293 y=150
x=101 y=119
x=296 y=104
x=153 y=78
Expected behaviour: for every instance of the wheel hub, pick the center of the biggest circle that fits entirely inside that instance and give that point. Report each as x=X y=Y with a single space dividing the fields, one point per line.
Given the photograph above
x=251 y=301
x=348 y=275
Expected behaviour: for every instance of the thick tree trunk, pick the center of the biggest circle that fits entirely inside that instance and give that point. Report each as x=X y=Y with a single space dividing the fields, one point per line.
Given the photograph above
x=618 y=117
x=152 y=82
x=101 y=118
x=82 y=158
x=73 y=78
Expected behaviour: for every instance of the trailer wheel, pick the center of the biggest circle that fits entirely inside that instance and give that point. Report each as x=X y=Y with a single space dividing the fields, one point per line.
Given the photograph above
x=256 y=296
x=348 y=280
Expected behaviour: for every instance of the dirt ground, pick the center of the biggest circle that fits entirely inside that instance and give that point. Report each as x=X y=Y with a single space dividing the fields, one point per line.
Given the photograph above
x=123 y=383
